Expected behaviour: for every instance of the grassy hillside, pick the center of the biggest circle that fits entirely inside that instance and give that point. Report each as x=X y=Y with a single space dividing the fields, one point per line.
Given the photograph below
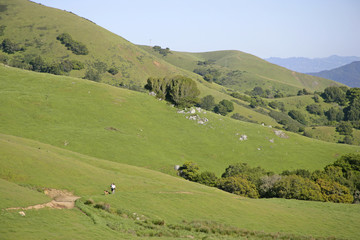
x=36 y=28
x=149 y=194
x=135 y=128
x=242 y=71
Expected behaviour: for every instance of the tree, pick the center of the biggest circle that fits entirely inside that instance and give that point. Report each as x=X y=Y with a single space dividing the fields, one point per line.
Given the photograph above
x=93 y=75
x=335 y=114
x=297 y=115
x=334 y=192
x=183 y=91
x=334 y=94
x=224 y=107
x=207 y=102
x=10 y=47
x=189 y=171
x=315 y=109
x=113 y=71
x=207 y=178
x=238 y=186
x=257 y=91
x=344 y=128
x=296 y=187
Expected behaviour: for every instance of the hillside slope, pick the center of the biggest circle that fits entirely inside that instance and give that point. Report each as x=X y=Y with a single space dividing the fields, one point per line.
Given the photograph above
x=134 y=128
x=148 y=194
x=36 y=27
x=348 y=74
x=242 y=71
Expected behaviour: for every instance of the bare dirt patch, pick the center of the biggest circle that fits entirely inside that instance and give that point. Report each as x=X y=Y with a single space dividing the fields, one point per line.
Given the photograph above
x=62 y=199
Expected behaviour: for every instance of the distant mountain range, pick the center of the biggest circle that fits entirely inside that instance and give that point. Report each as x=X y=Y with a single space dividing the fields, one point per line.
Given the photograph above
x=313 y=65
x=348 y=74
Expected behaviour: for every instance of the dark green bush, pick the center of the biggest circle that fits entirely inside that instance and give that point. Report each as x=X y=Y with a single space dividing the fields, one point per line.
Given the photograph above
x=298 y=116
x=238 y=186
x=224 y=107
x=77 y=48
x=207 y=102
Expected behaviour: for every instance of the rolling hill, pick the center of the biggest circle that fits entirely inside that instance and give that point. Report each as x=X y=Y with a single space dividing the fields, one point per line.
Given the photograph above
x=188 y=210
x=67 y=133
x=241 y=71
x=348 y=74
x=112 y=123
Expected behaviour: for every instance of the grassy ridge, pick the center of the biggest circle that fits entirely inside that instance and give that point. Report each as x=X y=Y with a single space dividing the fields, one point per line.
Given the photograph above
x=149 y=193
x=254 y=71
x=134 y=128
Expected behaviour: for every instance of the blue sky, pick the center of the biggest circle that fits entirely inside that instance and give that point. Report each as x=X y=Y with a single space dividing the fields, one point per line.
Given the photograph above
x=265 y=28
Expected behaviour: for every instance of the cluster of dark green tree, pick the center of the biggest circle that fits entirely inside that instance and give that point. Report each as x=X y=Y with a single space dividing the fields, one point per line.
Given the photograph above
x=338 y=182
x=267 y=93
x=223 y=107
x=162 y=51
x=38 y=64
x=180 y=90
x=76 y=47
x=10 y=47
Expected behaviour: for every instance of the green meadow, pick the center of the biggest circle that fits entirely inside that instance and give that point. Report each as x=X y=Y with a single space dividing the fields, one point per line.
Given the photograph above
x=134 y=128
x=149 y=194
x=68 y=133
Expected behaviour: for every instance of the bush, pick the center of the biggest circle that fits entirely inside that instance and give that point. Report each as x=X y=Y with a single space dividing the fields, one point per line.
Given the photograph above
x=162 y=51
x=334 y=94
x=315 y=109
x=344 y=128
x=296 y=187
x=93 y=75
x=10 y=47
x=224 y=107
x=208 y=179
x=189 y=171
x=207 y=102
x=113 y=71
x=297 y=115
x=239 y=186
x=334 y=192
x=77 y=48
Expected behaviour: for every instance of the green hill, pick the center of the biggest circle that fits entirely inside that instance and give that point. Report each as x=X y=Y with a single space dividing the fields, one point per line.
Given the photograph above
x=134 y=128
x=36 y=28
x=153 y=197
x=242 y=71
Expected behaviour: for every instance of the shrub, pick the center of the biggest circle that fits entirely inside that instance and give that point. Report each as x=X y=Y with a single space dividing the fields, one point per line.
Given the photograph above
x=238 y=186
x=314 y=109
x=344 y=128
x=183 y=91
x=224 y=107
x=207 y=178
x=334 y=192
x=77 y=48
x=296 y=187
x=207 y=102
x=334 y=94
x=297 y=115
x=267 y=184
x=2 y=30
x=113 y=71
x=189 y=171
x=93 y=75
x=162 y=51
x=10 y=47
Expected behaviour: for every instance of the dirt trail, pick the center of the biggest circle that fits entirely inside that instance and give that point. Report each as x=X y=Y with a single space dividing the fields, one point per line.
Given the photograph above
x=61 y=200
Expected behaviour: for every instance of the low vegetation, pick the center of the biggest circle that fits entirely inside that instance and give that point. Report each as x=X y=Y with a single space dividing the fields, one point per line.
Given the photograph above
x=76 y=47
x=338 y=182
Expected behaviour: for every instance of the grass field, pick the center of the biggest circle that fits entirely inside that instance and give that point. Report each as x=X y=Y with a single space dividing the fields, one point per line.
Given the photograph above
x=149 y=194
x=134 y=128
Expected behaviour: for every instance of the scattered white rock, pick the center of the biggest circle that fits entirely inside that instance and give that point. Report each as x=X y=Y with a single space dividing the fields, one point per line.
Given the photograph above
x=263 y=124
x=22 y=213
x=243 y=137
x=259 y=149
x=192 y=111
x=152 y=93
x=280 y=134
x=271 y=140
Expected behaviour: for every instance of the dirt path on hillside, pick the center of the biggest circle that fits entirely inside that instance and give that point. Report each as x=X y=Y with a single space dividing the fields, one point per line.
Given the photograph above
x=61 y=200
